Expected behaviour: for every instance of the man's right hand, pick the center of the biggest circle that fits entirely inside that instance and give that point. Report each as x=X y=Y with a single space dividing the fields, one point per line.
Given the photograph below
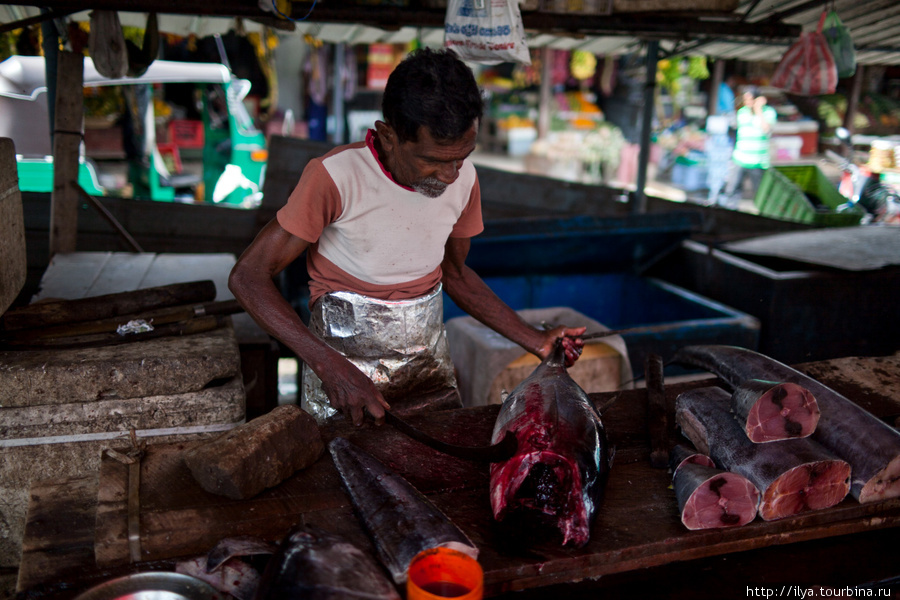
x=352 y=393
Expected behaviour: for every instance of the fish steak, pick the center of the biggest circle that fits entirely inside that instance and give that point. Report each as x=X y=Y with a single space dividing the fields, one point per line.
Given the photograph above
x=775 y=411
x=559 y=472
x=868 y=444
x=794 y=476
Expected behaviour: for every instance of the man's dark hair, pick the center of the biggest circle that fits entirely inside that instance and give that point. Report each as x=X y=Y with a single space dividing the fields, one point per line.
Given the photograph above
x=433 y=88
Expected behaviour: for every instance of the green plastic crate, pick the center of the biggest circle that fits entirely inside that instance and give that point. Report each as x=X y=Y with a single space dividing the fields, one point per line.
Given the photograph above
x=782 y=195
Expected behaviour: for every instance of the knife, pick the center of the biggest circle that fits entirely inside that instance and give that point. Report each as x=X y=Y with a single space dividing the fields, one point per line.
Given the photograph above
x=502 y=450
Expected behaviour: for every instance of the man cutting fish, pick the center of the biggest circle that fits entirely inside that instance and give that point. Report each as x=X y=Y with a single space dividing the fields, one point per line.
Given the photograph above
x=386 y=226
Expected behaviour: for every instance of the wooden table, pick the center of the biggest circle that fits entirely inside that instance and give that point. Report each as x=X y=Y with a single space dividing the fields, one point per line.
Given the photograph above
x=637 y=543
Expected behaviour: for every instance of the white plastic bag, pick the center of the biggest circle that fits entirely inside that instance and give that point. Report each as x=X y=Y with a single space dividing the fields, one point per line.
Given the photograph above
x=486 y=31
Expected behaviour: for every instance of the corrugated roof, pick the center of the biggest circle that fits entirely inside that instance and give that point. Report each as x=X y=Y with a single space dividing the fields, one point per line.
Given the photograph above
x=874 y=26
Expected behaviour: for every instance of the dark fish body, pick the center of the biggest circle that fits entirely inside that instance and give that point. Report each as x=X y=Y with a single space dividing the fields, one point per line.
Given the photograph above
x=870 y=446
x=242 y=545
x=793 y=476
x=775 y=411
x=681 y=455
x=312 y=563
x=399 y=519
x=710 y=498
x=559 y=472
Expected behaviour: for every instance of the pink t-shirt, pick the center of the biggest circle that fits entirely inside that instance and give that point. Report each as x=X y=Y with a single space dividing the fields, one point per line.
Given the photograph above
x=371 y=235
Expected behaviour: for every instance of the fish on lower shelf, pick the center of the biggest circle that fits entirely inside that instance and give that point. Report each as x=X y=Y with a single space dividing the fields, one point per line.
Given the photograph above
x=558 y=475
x=313 y=563
x=309 y=562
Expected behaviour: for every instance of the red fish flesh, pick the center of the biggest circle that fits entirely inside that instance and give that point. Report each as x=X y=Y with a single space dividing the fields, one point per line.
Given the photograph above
x=775 y=411
x=710 y=498
x=794 y=476
x=559 y=472
x=681 y=455
x=868 y=444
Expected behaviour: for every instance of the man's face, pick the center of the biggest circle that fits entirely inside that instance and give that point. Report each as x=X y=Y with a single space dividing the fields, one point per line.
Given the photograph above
x=426 y=165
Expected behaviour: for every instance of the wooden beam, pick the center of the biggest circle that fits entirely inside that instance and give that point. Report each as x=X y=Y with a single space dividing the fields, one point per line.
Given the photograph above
x=853 y=100
x=66 y=146
x=670 y=25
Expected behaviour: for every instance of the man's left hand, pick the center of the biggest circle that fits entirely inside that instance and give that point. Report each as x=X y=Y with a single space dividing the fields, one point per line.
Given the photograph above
x=571 y=340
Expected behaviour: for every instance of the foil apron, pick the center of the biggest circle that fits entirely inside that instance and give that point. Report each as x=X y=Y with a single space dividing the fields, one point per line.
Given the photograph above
x=400 y=345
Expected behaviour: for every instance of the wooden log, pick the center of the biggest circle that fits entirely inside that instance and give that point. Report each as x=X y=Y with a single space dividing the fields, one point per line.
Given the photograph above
x=43 y=314
x=162 y=366
x=13 y=265
x=155 y=317
x=257 y=455
x=69 y=116
x=112 y=338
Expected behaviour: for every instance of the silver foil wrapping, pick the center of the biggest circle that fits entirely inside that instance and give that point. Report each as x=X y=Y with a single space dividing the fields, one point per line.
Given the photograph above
x=399 y=344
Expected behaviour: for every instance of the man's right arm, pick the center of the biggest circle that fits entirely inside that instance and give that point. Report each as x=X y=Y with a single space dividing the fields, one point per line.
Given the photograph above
x=251 y=282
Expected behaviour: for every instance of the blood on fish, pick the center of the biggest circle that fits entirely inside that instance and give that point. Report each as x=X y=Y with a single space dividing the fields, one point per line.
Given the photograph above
x=557 y=477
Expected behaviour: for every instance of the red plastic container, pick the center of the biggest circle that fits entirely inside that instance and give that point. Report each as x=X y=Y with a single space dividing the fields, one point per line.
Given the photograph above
x=440 y=573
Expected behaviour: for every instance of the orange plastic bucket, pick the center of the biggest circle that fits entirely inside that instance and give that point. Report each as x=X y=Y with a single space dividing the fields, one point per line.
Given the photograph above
x=440 y=573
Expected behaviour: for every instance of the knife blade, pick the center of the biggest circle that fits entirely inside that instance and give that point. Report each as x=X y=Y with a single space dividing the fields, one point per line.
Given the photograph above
x=502 y=450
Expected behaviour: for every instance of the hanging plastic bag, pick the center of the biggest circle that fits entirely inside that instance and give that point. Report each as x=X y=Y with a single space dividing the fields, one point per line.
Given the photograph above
x=486 y=31
x=841 y=44
x=807 y=68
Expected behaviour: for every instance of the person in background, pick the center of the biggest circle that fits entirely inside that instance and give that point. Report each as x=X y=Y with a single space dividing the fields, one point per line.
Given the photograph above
x=751 y=156
x=386 y=224
x=726 y=99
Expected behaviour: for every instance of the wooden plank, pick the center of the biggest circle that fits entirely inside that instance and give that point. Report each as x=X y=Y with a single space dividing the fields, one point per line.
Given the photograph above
x=51 y=548
x=120 y=304
x=13 y=265
x=69 y=115
x=871 y=381
x=162 y=366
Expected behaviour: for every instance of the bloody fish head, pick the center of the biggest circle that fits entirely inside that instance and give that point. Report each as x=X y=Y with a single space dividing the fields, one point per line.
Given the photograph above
x=557 y=477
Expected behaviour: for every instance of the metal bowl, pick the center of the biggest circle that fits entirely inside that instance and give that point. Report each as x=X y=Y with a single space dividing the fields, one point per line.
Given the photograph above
x=152 y=586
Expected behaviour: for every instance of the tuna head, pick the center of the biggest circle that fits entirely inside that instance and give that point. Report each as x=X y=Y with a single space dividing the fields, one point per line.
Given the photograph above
x=557 y=477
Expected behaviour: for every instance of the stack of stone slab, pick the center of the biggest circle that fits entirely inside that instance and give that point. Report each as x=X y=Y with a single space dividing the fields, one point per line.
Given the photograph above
x=60 y=409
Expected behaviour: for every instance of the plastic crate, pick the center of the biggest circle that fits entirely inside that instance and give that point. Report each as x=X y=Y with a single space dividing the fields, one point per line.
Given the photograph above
x=782 y=194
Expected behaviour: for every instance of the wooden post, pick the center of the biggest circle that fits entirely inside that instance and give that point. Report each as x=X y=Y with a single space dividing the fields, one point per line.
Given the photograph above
x=639 y=200
x=546 y=97
x=853 y=100
x=66 y=147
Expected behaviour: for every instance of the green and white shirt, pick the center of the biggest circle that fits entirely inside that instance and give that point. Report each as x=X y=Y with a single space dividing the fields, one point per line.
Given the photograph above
x=751 y=149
